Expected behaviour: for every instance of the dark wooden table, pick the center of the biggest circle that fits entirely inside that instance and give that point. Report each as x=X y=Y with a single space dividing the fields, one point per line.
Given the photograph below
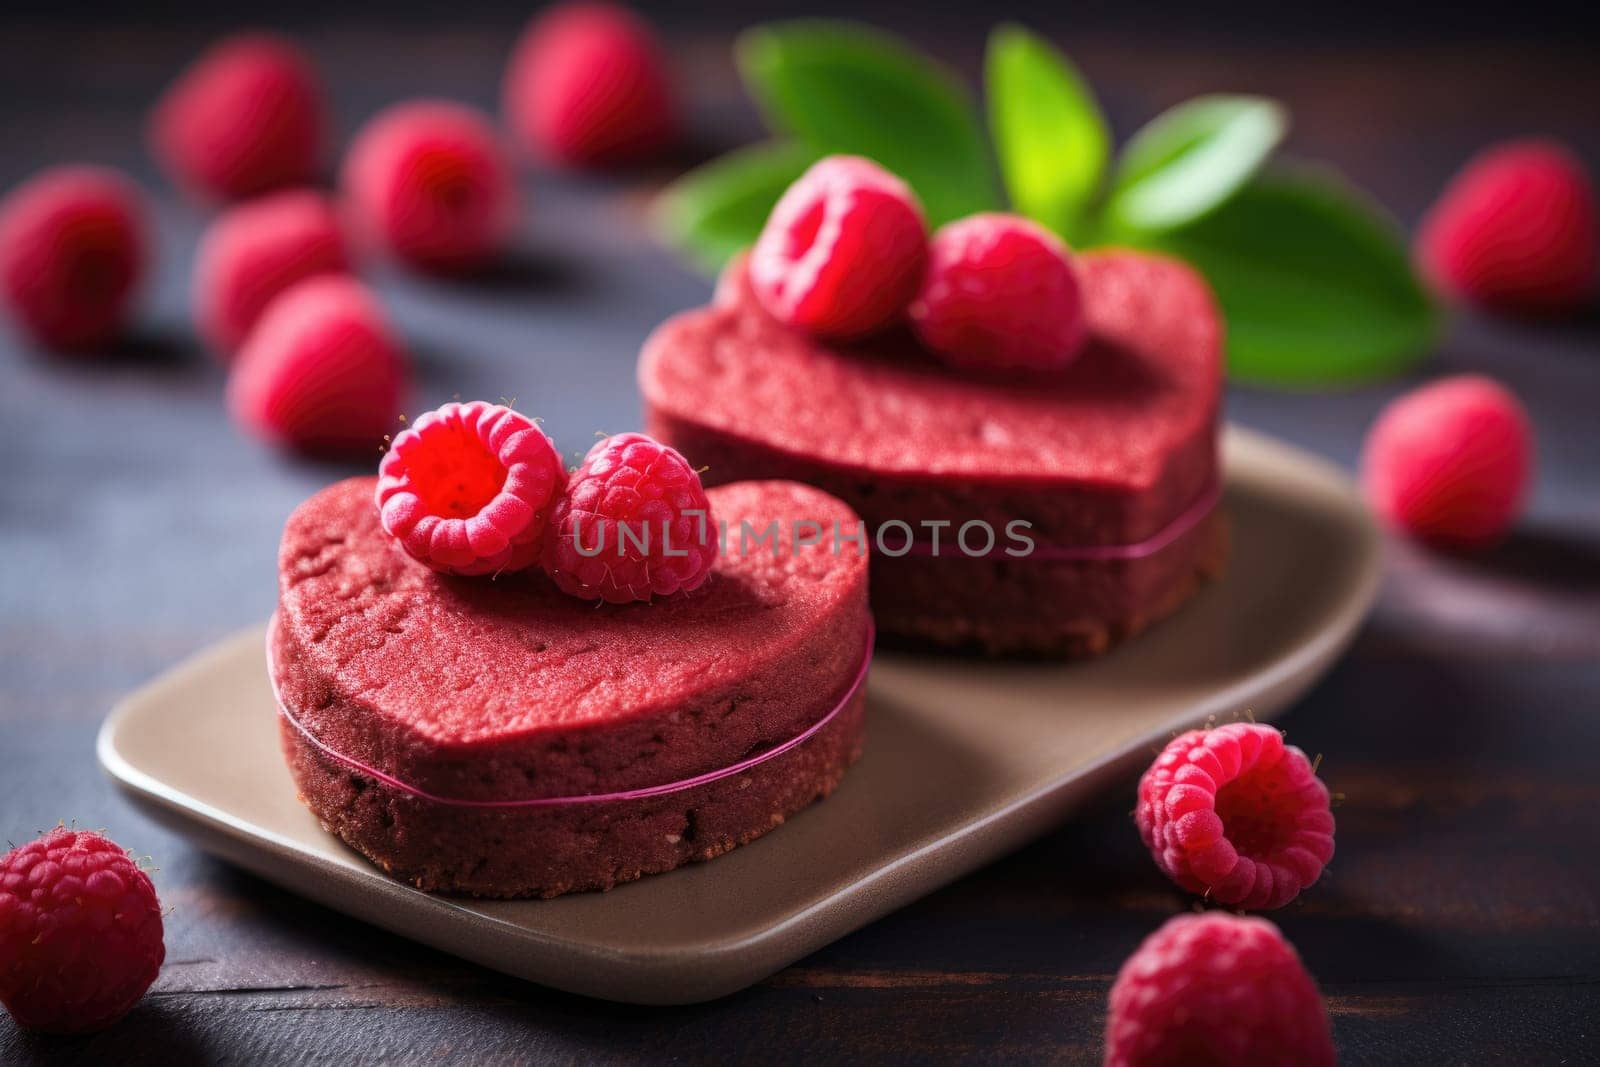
x=1459 y=922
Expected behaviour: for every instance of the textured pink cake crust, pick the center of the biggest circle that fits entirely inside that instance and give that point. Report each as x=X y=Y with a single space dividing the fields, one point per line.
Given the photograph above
x=1108 y=451
x=508 y=689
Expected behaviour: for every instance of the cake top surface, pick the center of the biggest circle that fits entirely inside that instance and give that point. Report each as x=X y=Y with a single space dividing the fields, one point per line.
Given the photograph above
x=1149 y=378
x=467 y=661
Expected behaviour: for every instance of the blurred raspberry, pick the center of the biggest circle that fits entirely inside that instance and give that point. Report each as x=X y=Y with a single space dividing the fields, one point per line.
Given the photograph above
x=587 y=86
x=843 y=251
x=429 y=181
x=468 y=489
x=1450 y=463
x=1216 y=989
x=634 y=524
x=246 y=117
x=1516 y=231
x=1236 y=815
x=1000 y=294
x=72 y=250
x=80 y=932
x=255 y=251
x=321 y=372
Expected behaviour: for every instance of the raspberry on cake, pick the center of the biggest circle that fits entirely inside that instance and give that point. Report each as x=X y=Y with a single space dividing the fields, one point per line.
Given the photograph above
x=429 y=182
x=245 y=118
x=468 y=489
x=504 y=739
x=80 y=932
x=1517 y=230
x=72 y=249
x=587 y=86
x=634 y=524
x=322 y=371
x=1000 y=294
x=1111 y=460
x=843 y=250
x=255 y=251
x=1216 y=989
x=1450 y=463
x=1234 y=814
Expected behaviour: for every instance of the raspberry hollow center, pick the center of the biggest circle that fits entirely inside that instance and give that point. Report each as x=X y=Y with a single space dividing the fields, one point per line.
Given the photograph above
x=1255 y=817
x=456 y=475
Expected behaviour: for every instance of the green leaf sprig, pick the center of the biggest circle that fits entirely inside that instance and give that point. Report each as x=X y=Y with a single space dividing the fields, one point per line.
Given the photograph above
x=1312 y=276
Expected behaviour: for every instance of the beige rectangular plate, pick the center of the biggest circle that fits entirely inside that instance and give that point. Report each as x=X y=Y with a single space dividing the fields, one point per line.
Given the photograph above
x=965 y=760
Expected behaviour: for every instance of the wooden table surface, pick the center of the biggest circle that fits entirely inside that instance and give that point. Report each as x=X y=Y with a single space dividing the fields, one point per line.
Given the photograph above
x=1459 y=922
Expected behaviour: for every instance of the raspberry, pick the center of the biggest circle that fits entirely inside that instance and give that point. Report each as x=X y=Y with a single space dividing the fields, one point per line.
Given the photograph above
x=255 y=251
x=843 y=251
x=587 y=87
x=634 y=524
x=1516 y=231
x=1450 y=462
x=429 y=181
x=246 y=117
x=72 y=249
x=1235 y=814
x=80 y=932
x=321 y=372
x=1216 y=989
x=468 y=489
x=1000 y=294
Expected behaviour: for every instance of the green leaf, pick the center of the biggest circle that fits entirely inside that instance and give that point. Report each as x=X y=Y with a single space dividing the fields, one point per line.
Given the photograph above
x=1313 y=279
x=845 y=87
x=1048 y=130
x=1191 y=159
x=719 y=208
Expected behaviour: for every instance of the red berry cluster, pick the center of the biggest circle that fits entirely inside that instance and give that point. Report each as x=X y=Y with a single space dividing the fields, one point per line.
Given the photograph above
x=80 y=932
x=474 y=489
x=846 y=253
x=428 y=183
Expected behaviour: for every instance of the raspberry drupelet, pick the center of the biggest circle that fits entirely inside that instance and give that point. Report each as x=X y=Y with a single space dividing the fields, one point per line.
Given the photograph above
x=1517 y=230
x=322 y=372
x=80 y=932
x=1000 y=294
x=587 y=86
x=429 y=182
x=72 y=250
x=469 y=488
x=255 y=251
x=634 y=524
x=1234 y=814
x=1216 y=989
x=1450 y=463
x=843 y=251
x=246 y=117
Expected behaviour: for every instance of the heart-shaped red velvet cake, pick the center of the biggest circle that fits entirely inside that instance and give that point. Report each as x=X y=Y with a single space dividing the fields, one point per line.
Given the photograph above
x=442 y=725
x=1112 y=462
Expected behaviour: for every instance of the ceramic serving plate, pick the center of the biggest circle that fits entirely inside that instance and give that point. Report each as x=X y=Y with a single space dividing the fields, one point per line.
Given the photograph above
x=965 y=760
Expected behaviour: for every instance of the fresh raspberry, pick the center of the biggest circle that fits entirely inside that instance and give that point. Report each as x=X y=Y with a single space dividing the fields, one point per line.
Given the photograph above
x=733 y=284
x=587 y=87
x=246 y=117
x=1236 y=815
x=1516 y=231
x=430 y=182
x=1000 y=294
x=80 y=932
x=1216 y=989
x=255 y=251
x=634 y=524
x=1450 y=463
x=321 y=372
x=469 y=488
x=72 y=249
x=843 y=251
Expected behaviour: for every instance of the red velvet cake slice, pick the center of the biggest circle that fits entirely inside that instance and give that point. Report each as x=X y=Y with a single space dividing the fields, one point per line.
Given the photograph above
x=1117 y=452
x=470 y=698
